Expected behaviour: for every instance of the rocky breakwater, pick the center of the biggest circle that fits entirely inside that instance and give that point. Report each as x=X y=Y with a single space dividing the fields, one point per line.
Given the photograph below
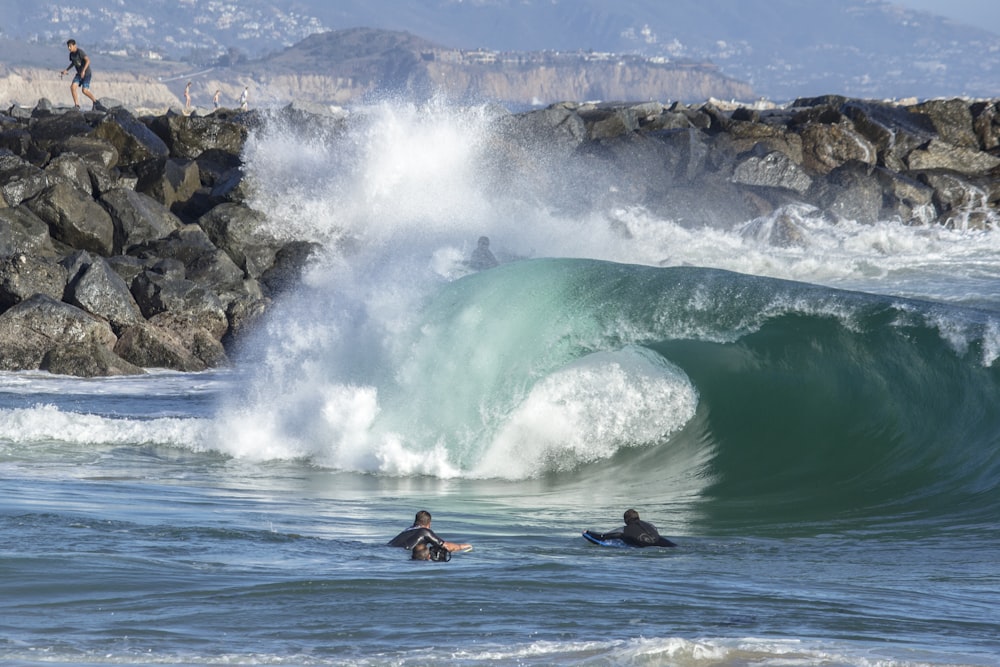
x=126 y=242
x=828 y=159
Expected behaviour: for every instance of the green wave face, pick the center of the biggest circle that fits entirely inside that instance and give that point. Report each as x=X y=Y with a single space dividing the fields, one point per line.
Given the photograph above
x=770 y=401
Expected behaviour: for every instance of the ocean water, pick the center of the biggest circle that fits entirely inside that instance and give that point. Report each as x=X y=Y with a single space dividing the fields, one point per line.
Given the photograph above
x=816 y=425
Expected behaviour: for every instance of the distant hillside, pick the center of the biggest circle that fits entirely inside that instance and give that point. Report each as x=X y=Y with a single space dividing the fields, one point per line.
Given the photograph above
x=782 y=48
x=347 y=65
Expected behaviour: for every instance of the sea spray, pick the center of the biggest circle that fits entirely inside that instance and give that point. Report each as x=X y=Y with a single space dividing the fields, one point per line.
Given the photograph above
x=356 y=371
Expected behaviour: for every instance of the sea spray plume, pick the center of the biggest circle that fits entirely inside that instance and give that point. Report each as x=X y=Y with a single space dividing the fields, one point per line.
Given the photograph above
x=361 y=369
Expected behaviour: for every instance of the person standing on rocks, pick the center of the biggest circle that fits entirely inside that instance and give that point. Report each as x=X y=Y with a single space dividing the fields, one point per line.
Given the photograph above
x=187 y=96
x=79 y=60
x=215 y=99
x=245 y=98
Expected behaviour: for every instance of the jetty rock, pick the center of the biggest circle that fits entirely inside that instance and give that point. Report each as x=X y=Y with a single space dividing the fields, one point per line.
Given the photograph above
x=128 y=242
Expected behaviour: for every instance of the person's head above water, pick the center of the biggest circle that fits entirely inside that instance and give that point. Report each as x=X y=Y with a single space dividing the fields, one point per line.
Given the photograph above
x=631 y=516
x=421 y=552
x=423 y=518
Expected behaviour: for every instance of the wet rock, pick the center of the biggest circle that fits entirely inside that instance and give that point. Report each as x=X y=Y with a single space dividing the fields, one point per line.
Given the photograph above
x=86 y=360
x=23 y=276
x=41 y=324
x=95 y=287
x=135 y=143
x=771 y=169
x=21 y=231
x=138 y=218
x=74 y=218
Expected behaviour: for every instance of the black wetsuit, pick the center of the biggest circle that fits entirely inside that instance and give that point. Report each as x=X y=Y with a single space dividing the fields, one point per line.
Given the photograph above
x=415 y=535
x=637 y=534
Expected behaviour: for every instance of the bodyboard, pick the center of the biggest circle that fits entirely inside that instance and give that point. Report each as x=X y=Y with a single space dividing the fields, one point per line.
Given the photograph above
x=590 y=537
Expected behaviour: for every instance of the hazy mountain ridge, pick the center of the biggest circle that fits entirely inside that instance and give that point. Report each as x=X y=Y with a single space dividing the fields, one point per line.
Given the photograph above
x=782 y=48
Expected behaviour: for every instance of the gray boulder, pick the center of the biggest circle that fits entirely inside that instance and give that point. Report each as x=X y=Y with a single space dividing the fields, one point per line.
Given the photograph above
x=75 y=219
x=190 y=136
x=21 y=231
x=134 y=142
x=204 y=263
x=73 y=169
x=827 y=146
x=23 y=276
x=19 y=180
x=952 y=120
x=938 y=154
x=183 y=299
x=96 y=288
x=772 y=170
x=149 y=346
x=176 y=182
x=40 y=324
x=138 y=218
x=850 y=192
x=240 y=232
x=87 y=360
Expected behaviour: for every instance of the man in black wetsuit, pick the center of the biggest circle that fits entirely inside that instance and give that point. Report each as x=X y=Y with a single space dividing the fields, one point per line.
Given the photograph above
x=635 y=532
x=420 y=533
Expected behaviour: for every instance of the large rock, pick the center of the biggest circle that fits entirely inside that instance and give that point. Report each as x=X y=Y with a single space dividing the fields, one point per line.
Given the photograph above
x=23 y=276
x=241 y=232
x=95 y=287
x=906 y=198
x=952 y=119
x=176 y=182
x=289 y=263
x=75 y=219
x=138 y=218
x=51 y=131
x=827 y=146
x=19 y=179
x=21 y=231
x=183 y=299
x=771 y=169
x=86 y=360
x=937 y=154
x=41 y=324
x=74 y=170
x=135 y=143
x=93 y=150
x=850 y=192
x=150 y=346
x=204 y=263
x=191 y=136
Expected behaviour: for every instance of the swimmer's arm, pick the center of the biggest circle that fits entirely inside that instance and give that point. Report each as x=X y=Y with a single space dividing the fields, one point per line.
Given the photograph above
x=456 y=546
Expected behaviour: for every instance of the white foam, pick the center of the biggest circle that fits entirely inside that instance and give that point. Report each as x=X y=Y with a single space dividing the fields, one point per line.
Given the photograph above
x=49 y=424
x=588 y=410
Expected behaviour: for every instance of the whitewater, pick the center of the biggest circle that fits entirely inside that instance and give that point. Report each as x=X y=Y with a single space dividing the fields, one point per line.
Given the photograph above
x=814 y=423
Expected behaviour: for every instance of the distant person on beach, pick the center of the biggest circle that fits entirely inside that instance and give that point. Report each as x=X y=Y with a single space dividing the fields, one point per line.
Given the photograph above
x=635 y=532
x=187 y=96
x=79 y=60
x=245 y=98
x=482 y=258
x=215 y=98
x=420 y=533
